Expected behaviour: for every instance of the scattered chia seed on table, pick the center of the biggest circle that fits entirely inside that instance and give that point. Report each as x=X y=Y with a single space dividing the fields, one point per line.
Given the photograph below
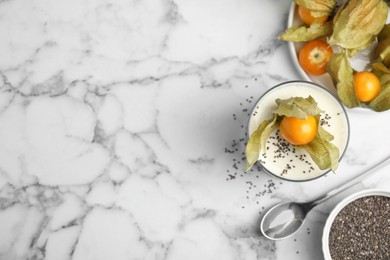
x=362 y=230
x=236 y=153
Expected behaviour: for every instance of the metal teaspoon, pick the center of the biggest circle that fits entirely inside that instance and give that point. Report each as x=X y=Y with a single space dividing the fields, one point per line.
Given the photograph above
x=284 y=219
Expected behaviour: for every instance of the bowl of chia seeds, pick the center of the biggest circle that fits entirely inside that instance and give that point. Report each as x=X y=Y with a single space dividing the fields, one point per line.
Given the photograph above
x=359 y=227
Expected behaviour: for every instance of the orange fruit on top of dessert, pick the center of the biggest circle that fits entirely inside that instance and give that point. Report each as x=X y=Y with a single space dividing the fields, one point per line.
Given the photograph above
x=298 y=131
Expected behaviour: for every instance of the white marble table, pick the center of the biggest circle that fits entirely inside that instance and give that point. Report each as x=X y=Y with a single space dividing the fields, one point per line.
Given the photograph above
x=122 y=128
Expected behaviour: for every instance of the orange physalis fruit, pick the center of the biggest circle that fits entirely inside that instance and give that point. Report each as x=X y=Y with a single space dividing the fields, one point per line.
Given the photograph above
x=367 y=86
x=298 y=131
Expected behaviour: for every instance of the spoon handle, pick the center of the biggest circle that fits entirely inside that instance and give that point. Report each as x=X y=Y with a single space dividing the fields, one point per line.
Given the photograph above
x=347 y=185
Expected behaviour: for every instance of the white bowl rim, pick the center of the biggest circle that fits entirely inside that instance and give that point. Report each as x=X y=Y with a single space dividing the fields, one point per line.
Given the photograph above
x=339 y=207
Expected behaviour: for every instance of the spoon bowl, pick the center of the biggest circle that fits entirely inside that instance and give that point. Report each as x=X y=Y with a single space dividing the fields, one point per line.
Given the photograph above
x=283 y=220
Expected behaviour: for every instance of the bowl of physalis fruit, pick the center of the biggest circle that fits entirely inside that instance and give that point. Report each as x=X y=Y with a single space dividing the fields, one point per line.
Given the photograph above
x=298 y=131
x=345 y=46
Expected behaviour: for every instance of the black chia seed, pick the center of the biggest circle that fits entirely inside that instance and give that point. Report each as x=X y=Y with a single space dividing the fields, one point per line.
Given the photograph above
x=362 y=230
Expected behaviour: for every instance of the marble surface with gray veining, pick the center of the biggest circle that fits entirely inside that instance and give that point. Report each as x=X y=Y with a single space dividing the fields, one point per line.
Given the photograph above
x=123 y=127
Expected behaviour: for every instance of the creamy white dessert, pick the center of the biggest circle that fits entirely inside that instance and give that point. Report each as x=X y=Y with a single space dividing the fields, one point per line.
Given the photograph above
x=289 y=161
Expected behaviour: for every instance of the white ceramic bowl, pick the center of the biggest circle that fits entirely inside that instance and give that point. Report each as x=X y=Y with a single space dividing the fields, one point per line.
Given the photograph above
x=359 y=62
x=338 y=126
x=338 y=208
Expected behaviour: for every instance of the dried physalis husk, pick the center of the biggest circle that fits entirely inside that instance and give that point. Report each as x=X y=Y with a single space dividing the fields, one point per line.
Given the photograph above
x=381 y=64
x=385 y=33
x=304 y=34
x=322 y=151
x=382 y=101
x=382 y=50
x=318 y=8
x=341 y=73
x=379 y=68
x=257 y=141
x=357 y=23
x=385 y=80
x=297 y=106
